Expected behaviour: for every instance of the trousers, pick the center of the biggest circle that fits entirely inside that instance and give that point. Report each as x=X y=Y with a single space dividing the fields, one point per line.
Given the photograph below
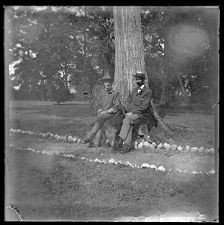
x=126 y=132
x=96 y=129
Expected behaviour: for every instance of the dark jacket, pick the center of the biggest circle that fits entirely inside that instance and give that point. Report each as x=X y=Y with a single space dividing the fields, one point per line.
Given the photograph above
x=139 y=103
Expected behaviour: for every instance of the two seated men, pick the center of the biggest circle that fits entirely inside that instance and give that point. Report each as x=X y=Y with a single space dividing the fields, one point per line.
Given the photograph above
x=136 y=109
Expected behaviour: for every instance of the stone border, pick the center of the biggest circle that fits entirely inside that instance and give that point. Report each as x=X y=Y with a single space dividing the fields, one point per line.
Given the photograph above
x=118 y=162
x=138 y=145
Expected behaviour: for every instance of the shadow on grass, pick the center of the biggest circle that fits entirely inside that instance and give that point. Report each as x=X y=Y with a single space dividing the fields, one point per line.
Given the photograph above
x=78 y=128
x=76 y=119
x=72 y=103
x=67 y=111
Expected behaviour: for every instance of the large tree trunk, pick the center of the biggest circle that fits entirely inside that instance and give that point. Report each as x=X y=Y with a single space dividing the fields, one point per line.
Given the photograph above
x=129 y=50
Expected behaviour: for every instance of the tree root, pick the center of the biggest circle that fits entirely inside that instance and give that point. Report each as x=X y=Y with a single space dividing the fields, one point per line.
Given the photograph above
x=161 y=123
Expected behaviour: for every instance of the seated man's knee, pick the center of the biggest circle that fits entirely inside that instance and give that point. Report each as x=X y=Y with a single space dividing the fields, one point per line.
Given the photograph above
x=127 y=119
x=102 y=118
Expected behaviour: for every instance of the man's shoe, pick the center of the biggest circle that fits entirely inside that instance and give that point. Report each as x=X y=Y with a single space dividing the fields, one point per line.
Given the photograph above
x=93 y=145
x=117 y=146
x=140 y=136
x=126 y=149
x=115 y=149
x=86 y=141
x=119 y=143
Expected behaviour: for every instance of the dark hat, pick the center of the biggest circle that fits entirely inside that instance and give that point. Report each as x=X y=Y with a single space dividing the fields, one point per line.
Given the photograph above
x=107 y=77
x=140 y=75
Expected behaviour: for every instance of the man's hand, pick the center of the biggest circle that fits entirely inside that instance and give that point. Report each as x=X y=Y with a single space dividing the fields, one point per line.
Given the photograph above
x=129 y=114
x=110 y=110
x=123 y=102
x=99 y=111
x=102 y=112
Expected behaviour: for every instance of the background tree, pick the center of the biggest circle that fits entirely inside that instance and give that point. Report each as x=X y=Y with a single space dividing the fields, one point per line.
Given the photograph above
x=74 y=46
x=158 y=24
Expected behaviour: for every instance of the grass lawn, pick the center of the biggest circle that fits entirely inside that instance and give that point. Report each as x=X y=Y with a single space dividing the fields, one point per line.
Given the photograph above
x=44 y=187
x=74 y=118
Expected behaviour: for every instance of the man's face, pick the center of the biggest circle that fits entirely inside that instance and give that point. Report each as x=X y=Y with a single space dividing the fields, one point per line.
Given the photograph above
x=107 y=85
x=139 y=81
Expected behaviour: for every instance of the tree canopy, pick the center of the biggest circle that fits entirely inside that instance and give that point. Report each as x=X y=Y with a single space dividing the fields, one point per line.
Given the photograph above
x=59 y=48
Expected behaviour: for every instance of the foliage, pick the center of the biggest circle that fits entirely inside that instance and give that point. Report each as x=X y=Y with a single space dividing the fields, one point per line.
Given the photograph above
x=75 y=47
x=199 y=76
x=60 y=94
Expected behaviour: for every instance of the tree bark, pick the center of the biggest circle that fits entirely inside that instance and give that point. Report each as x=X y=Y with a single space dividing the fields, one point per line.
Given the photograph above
x=129 y=50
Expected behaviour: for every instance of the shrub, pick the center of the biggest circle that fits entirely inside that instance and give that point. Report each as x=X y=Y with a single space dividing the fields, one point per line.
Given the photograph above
x=62 y=94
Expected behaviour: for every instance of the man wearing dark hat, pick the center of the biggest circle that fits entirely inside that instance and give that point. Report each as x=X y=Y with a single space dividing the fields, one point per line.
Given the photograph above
x=109 y=99
x=137 y=107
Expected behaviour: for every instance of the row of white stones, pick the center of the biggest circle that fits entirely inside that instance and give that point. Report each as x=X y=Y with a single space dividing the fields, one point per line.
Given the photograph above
x=118 y=162
x=138 y=145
